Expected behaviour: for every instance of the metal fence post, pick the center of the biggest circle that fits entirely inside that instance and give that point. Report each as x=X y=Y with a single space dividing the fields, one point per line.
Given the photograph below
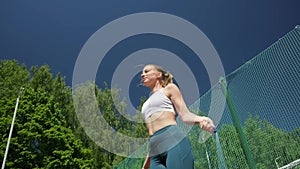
x=237 y=125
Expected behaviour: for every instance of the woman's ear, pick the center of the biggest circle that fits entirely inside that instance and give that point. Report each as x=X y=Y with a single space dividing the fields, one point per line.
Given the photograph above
x=159 y=74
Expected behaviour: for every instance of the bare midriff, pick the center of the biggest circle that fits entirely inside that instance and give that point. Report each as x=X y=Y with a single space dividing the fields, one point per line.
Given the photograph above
x=160 y=120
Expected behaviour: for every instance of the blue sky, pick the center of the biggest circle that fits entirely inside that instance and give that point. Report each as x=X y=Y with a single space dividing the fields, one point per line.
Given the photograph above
x=54 y=32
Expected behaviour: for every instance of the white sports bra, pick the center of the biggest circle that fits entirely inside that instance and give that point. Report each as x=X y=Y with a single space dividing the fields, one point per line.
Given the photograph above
x=157 y=102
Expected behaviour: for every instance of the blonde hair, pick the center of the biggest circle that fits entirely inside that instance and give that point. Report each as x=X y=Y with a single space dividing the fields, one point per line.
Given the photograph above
x=167 y=77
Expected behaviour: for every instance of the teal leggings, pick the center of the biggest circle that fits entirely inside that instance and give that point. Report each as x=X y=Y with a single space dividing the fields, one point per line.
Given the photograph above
x=170 y=149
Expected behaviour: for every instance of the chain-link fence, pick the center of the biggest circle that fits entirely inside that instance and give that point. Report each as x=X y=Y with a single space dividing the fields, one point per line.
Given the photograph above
x=265 y=97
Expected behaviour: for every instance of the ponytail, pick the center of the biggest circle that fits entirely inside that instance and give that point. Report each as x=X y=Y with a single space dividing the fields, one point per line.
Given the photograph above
x=167 y=78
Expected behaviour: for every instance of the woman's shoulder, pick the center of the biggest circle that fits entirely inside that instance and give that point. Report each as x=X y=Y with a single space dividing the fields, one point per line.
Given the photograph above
x=170 y=89
x=171 y=86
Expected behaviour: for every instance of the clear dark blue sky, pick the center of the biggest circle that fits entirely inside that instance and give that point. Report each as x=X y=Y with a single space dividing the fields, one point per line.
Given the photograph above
x=53 y=32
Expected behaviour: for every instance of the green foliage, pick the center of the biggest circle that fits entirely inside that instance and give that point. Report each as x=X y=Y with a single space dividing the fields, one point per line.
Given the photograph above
x=103 y=116
x=268 y=142
x=41 y=137
x=12 y=77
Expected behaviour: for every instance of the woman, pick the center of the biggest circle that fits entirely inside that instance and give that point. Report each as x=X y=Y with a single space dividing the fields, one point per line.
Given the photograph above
x=169 y=148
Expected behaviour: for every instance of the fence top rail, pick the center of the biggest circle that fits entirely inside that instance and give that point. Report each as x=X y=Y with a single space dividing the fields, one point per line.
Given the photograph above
x=292 y=164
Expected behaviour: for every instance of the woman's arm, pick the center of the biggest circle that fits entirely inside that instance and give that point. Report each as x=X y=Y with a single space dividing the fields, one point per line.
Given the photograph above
x=173 y=92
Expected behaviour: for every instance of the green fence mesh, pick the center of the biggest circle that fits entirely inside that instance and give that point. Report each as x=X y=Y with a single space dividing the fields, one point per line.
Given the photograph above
x=265 y=93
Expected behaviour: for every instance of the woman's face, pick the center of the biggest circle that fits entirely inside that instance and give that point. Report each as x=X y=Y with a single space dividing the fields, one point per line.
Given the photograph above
x=150 y=75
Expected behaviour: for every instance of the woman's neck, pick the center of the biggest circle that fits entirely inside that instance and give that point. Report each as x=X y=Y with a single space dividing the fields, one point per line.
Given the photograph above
x=156 y=88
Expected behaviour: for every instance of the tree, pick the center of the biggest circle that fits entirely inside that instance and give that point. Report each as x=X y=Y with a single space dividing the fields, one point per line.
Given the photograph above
x=41 y=136
x=268 y=143
x=12 y=77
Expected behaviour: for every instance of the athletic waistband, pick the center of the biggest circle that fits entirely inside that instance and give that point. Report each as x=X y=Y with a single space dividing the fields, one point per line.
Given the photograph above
x=164 y=139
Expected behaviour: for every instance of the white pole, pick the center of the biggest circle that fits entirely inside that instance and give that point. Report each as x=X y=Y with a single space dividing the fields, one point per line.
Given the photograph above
x=207 y=156
x=11 y=127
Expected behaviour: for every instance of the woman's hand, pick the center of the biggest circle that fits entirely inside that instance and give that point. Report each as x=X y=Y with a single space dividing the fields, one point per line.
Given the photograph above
x=207 y=124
